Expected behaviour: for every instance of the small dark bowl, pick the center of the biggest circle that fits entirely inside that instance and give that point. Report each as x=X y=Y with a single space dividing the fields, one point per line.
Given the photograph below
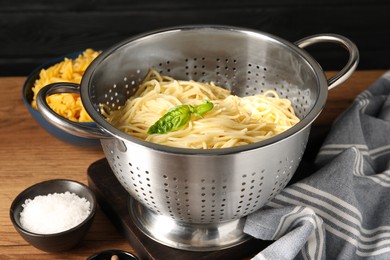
x=28 y=95
x=106 y=255
x=59 y=241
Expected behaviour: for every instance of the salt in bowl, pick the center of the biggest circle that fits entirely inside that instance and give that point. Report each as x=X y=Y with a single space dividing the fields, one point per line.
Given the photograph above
x=63 y=240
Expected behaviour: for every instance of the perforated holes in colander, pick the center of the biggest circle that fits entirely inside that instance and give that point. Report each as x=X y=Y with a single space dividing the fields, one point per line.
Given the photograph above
x=301 y=101
x=221 y=71
x=172 y=199
x=212 y=200
x=117 y=168
x=260 y=78
x=256 y=79
x=282 y=176
x=143 y=186
x=250 y=193
x=135 y=180
x=117 y=94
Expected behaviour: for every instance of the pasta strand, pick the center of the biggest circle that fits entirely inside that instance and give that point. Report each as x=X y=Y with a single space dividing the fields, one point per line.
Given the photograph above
x=233 y=121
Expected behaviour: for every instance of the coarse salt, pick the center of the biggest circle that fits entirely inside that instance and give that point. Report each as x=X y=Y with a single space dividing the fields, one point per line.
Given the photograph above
x=54 y=213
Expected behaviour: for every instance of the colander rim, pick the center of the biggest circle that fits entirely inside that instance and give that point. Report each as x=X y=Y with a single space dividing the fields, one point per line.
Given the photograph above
x=116 y=133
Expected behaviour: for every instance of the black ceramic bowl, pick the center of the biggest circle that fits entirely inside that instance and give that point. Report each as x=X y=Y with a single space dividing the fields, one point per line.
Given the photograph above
x=59 y=241
x=28 y=95
x=108 y=255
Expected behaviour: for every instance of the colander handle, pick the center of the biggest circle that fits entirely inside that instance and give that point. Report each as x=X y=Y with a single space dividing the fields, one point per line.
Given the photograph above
x=68 y=126
x=353 y=60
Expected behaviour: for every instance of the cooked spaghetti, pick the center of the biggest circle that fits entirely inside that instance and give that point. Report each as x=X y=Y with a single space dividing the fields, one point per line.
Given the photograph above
x=232 y=122
x=67 y=105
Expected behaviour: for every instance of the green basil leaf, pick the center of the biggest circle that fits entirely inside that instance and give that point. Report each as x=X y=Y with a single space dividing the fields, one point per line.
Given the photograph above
x=202 y=109
x=174 y=119
x=177 y=117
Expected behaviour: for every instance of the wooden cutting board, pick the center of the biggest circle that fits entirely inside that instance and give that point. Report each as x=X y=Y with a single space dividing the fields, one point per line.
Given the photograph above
x=113 y=200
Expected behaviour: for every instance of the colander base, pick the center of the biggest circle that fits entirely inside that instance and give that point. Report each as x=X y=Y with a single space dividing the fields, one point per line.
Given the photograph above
x=113 y=199
x=187 y=236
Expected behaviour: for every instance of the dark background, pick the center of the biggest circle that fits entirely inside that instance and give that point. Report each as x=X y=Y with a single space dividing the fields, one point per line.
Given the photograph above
x=33 y=32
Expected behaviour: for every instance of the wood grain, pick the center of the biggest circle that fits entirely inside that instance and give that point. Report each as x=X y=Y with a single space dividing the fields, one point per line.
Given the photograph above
x=29 y=155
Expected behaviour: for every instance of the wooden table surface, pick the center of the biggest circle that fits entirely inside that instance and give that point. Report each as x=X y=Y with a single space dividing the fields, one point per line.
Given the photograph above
x=29 y=155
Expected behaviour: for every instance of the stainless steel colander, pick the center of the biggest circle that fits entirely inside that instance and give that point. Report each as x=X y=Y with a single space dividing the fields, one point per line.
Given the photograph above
x=198 y=199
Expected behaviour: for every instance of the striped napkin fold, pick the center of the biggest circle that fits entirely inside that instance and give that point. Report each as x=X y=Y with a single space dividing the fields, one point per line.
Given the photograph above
x=342 y=210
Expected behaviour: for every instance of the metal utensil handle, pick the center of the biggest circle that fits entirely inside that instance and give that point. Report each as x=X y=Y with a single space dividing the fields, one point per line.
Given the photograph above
x=61 y=122
x=353 y=60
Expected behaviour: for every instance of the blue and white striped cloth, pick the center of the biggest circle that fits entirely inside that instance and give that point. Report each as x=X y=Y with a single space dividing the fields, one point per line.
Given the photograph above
x=342 y=211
